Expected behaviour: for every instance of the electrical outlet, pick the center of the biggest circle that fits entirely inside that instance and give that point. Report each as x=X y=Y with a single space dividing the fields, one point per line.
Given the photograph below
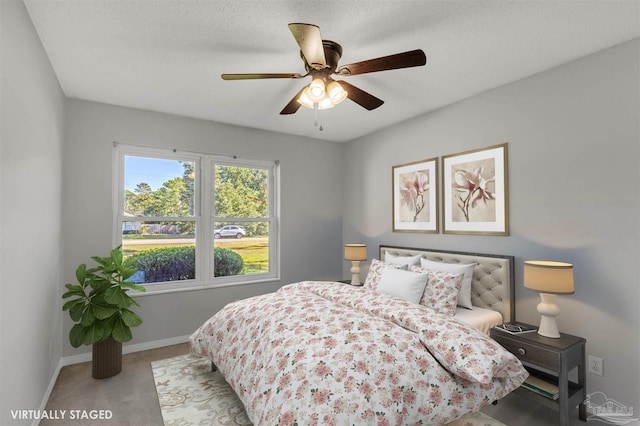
x=596 y=365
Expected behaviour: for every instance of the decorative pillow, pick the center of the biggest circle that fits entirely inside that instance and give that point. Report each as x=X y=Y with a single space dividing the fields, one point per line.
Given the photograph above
x=375 y=273
x=441 y=292
x=402 y=260
x=403 y=284
x=464 y=296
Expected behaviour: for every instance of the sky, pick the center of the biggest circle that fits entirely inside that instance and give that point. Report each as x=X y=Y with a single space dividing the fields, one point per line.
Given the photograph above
x=153 y=171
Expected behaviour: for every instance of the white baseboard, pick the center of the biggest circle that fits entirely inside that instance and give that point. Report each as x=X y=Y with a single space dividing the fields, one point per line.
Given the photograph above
x=86 y=357
x=127 y=349
x=47 y=394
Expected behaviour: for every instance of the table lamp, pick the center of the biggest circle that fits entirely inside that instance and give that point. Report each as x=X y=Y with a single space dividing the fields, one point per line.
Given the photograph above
x=355 y=253
x=549 y=278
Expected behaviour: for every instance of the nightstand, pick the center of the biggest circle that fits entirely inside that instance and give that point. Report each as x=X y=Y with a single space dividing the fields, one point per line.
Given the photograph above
x=551 y=360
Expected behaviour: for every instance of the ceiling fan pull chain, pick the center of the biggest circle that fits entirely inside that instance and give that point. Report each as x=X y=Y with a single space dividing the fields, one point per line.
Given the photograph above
x=315 y=114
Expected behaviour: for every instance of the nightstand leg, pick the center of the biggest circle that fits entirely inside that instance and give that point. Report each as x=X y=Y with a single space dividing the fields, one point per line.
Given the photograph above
x=582 y=381
x=563 y=386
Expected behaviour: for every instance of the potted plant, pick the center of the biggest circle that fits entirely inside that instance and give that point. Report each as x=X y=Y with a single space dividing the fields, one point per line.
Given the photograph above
x=100 y=309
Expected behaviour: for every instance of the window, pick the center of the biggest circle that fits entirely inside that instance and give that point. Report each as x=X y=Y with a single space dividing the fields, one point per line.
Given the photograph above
x=193 y=220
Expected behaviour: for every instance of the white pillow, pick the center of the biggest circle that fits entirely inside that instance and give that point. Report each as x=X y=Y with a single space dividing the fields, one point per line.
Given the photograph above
x=403 y=284
x=464 y=295
x=375 y=273
x=402 y=260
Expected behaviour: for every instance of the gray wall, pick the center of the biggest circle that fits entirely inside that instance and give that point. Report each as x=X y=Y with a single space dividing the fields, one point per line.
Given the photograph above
x=573 y=135
x=310 y=203
x=30 y=173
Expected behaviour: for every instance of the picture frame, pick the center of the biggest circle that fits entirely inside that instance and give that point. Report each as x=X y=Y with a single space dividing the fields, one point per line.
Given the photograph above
x=475 y=195
x=415 y=196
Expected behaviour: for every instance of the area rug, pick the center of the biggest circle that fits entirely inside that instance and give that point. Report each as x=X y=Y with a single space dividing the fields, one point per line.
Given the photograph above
x=191 y=394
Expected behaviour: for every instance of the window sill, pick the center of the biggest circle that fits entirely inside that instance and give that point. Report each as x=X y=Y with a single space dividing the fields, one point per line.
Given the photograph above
x=195 y=286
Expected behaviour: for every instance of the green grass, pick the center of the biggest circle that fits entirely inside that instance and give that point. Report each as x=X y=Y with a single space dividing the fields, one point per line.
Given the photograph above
x=254 y=252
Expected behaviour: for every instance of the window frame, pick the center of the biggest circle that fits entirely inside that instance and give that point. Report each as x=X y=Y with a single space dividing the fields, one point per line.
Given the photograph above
x=203 y=215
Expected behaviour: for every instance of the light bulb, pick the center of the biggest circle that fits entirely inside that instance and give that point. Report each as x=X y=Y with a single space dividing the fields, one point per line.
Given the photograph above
x=316 y=90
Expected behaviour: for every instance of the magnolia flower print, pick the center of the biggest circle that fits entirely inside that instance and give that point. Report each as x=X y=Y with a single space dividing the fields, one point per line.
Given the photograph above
x=413 y=191
x=473 y=188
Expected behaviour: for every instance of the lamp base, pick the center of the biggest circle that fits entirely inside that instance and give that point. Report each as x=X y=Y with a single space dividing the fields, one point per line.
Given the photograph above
x=355 y=273
x=548 y=310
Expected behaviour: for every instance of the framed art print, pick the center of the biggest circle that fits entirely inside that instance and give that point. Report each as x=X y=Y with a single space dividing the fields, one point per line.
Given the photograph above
x=415 y=197
x=474 y=187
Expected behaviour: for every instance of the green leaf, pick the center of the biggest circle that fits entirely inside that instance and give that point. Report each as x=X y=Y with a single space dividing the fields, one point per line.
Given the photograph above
x=136 y=287
x=76 y=311
x=121 y=332
x=73 y=290
x=99 y=285
x=87 y=317
x=103 y=261
x=93 y=271
x=93 y=333
x=76 y=335
x=71 y=303
x=117 y=296
x=130 y=318
x=107 y=325
x=81 y=273
x=116 y=256
x=103 y=312
x=78 y=295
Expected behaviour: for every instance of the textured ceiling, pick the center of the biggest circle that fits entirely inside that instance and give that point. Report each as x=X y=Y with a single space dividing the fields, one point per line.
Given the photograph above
x=167 y=55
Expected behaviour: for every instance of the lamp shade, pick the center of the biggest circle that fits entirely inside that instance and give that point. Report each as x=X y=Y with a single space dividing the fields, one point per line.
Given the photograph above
x=336 y=93
x=548 y=277
x=305 y=100
x=355 y=252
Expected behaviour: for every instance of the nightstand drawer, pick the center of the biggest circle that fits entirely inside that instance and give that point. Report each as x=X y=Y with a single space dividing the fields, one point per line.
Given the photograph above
x=529 y=353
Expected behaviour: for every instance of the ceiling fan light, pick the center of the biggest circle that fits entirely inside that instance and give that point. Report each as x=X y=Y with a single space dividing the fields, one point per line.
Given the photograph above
x=325 y=103
x=305 y=100
x=316 y=90
x=336 y=93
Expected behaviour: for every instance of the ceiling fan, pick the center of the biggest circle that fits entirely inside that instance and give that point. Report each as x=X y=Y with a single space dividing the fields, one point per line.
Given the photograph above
x=321 y=62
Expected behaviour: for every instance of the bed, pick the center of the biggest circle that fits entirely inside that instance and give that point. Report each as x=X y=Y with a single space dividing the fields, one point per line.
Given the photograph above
x=329 y=353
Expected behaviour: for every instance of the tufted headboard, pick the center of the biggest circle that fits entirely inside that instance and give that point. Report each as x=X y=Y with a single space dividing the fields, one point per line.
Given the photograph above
x=493 y=285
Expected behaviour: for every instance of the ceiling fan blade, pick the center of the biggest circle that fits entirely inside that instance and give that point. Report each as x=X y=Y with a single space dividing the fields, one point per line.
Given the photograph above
x=310 y=42
x=412 y=58
x=258 y=76
x=359 y=96
x=293 y=105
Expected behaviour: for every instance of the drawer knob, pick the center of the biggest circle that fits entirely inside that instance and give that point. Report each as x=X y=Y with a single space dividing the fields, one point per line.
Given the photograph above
x=521 y=351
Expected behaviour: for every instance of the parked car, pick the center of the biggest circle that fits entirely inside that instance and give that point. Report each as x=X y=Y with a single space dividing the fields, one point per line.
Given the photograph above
x=229 y=231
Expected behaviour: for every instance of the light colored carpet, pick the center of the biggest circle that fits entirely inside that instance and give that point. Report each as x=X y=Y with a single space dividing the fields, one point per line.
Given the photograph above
x=191 y=394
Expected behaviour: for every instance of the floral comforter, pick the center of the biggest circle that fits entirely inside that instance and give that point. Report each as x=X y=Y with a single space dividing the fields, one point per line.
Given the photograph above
x=328 y=353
